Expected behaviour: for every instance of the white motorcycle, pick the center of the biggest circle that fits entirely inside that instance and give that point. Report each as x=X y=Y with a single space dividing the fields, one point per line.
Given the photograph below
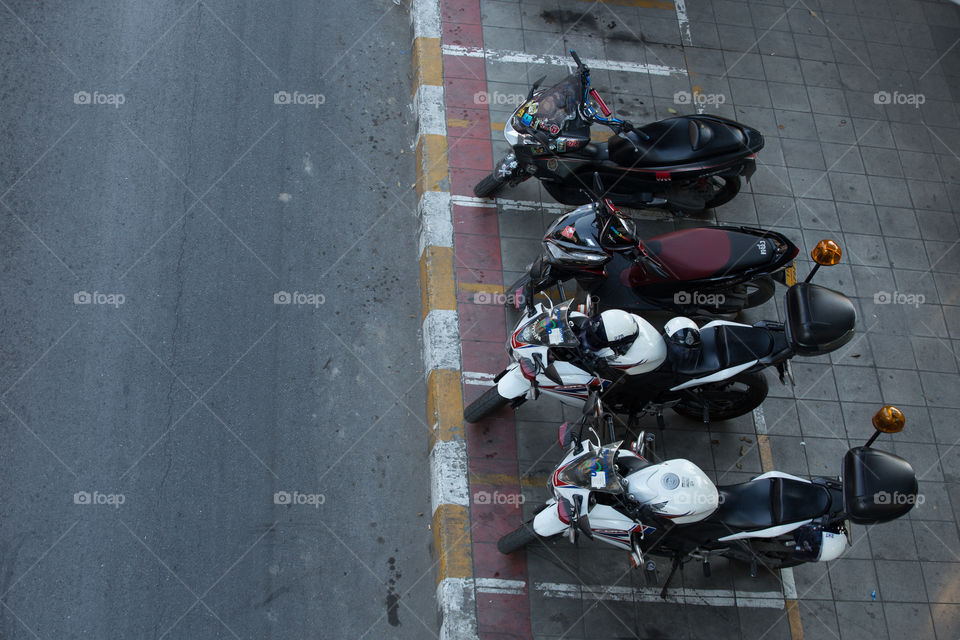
x=720 y=379
x=672 y=509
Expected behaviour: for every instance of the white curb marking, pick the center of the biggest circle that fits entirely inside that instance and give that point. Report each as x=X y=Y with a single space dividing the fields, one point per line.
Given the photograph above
x=561 y=61
x=441 y=340
x=680 y=595
x=478 y=379
x=683 y=21
x=499 y=586
x=448 y=474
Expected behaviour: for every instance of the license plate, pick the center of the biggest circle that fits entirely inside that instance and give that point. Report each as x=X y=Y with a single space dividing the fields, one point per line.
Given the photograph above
x=790 y=274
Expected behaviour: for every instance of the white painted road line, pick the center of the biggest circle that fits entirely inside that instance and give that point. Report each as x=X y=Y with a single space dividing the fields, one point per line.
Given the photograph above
x=554 y=208
x=498 y=586
x=561 y=61
x=478 y=379
x=681 y=595
x=683 y=21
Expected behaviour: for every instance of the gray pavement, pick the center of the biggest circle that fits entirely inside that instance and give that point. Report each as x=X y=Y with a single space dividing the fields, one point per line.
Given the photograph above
x=858 y=103
x=183 y=457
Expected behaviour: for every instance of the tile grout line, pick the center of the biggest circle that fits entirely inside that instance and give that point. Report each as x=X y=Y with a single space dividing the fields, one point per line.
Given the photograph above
x=449 y=484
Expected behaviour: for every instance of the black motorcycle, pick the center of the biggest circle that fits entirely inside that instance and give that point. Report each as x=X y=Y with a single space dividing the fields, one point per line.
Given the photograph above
x=705 y=270
x=687 y=163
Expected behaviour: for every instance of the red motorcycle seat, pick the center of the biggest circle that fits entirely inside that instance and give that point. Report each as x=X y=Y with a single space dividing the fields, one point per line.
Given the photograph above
x=692 y=254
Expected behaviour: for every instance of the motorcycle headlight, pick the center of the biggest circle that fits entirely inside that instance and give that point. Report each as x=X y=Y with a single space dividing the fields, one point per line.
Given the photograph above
x=560 y=254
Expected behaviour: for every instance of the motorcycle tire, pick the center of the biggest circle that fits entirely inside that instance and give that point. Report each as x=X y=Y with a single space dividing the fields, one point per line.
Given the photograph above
x=517 y=539
x=763 y=290
x=727 y=192
x=489 y=403
x=488 y=187
x=742 y=404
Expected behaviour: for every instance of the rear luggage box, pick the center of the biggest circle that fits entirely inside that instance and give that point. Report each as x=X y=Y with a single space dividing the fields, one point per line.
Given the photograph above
x=877 y=486
x=818 y=320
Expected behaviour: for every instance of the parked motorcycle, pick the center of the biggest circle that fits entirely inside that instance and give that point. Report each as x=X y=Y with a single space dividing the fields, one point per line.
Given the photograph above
x=706 y=270
x=672 y=509
x=688 y=163
x=720 y=378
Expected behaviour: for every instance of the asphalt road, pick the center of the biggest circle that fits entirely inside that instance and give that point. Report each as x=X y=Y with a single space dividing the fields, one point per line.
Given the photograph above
x=160 y=412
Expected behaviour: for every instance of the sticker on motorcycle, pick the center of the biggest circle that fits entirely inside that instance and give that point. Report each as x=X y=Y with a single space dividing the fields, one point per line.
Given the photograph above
x=569 y=232
x=526 y=119
x=552 y=164
x=532 y=107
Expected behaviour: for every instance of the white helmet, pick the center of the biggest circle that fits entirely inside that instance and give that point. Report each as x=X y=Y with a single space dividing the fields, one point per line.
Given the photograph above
x=614 y=328
x=682 y=331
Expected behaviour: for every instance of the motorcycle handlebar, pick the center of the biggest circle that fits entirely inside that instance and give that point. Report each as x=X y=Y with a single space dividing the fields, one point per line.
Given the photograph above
x=576 y=58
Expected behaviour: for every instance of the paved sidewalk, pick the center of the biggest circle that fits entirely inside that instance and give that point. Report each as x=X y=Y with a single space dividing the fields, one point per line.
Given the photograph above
x=857 y=101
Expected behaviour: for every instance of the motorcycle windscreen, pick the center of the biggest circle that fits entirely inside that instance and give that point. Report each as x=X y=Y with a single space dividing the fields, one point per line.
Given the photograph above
x=551 y=109
x=551 y=329
x=594 y=471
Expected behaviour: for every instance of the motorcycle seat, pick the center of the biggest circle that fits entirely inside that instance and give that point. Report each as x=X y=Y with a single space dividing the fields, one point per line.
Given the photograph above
x=721 y=347
x=677 y=141
x=768 y=502
x=704 y=252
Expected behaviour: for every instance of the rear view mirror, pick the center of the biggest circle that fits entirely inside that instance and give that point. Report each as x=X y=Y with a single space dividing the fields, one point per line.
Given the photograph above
x=827 y=253
x=564 y=435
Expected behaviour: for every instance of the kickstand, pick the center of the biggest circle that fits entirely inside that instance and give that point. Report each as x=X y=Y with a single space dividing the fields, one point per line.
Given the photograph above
x=673 y=570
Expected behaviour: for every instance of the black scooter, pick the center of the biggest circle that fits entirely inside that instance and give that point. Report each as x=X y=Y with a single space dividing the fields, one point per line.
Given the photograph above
x=700 y=271
x=687 y=164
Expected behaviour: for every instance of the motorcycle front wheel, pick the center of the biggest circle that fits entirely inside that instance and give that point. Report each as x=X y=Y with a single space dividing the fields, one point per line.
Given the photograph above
x=488 y=187
x=517 y=539
x=725 y=400
x=489 y=403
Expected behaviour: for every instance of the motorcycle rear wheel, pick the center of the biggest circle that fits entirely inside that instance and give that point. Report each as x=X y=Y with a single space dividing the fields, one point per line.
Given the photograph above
x=488 y=187
x=759 y=291
x=738 y=403
x=489 y=403
x=726 y=193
